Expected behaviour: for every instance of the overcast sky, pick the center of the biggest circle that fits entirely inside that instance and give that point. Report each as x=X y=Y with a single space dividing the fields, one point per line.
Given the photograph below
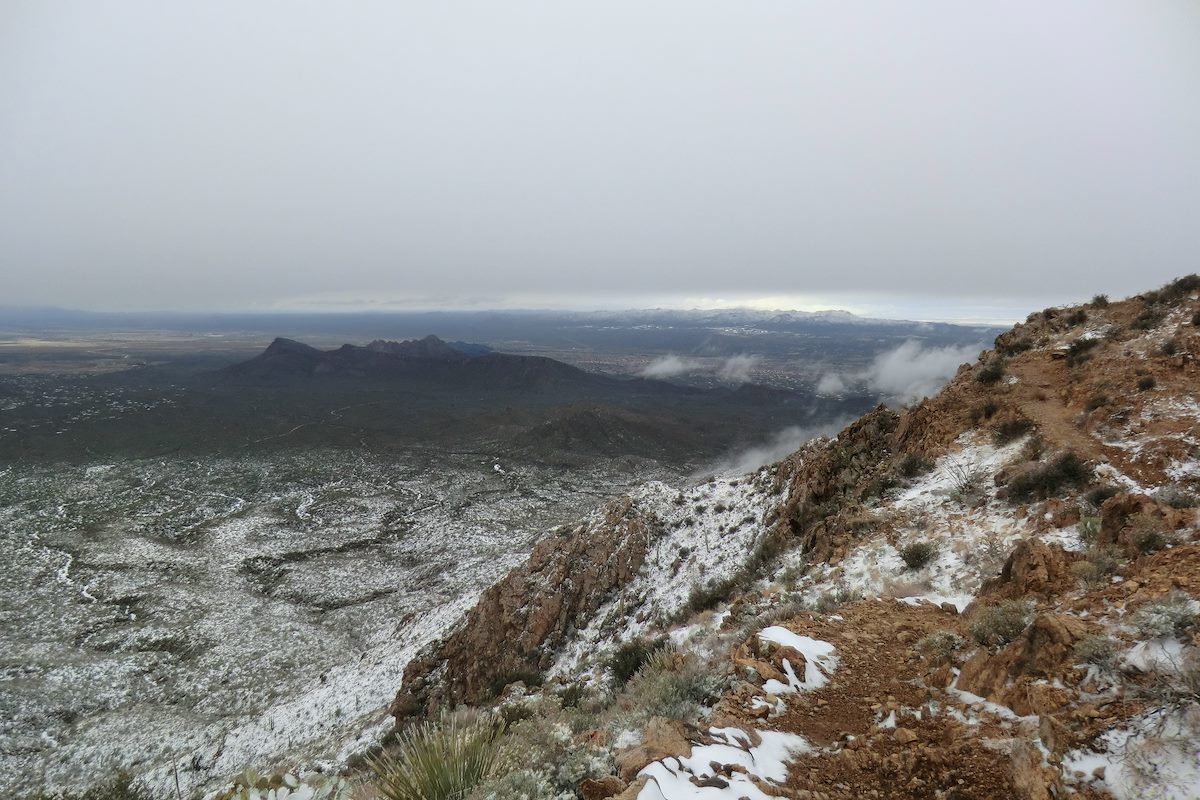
x=933 y=155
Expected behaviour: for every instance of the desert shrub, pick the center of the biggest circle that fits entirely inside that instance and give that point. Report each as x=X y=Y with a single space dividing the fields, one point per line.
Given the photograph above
x=1169 y=348
x=1087 y=573
x=520 y=784
x=1076 y=317
x=708 y=595
x=1105 y=561
x=1148 y=319
x=1146 y=383
x=1034 y=448
x=833 y=599
x=1108 y=558
x=1100 y=301
x=674 y=685
x=914 y=464
x=941 y=646
x=440 y=759
x=1151 y=540
x=1047 y=480
x=991 y=371
x=1177 y=497
x=879 y=486
x=1096 y=401
x=996 y=626
x=540 y=758
x=968 y=484
x=1080 y=350
x=631 y=656
x=1178 y=288
x=1016 y=346
x=1010 y=430
x=1098 y=495
x=918 y=554
x=1098 y=650
x=1173 y=615
x=1196 y=319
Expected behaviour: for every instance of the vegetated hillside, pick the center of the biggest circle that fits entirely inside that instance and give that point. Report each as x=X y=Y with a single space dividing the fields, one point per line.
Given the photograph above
x=990 y=594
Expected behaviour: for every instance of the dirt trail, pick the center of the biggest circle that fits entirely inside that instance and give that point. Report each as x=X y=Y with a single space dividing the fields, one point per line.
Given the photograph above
x=1037 y=398
x=868 y=709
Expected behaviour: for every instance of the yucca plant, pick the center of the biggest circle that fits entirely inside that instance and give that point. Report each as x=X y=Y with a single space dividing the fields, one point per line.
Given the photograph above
x=440 y=759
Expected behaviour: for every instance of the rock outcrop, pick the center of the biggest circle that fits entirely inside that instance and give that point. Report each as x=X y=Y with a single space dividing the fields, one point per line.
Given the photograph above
x=518 y=623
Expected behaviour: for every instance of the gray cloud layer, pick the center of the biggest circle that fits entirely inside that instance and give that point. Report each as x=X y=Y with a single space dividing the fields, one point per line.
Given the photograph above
x=228 y=153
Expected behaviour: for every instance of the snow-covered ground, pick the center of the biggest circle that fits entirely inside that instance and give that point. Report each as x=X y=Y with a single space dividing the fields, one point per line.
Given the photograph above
x=218 y=614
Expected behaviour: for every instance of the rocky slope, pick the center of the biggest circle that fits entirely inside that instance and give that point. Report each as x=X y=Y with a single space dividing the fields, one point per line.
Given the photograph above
x=989 y=594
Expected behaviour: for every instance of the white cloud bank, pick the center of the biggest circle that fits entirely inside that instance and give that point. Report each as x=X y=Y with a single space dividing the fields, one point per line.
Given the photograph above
x=909 y=372
x=735 y=369
x=671 y=366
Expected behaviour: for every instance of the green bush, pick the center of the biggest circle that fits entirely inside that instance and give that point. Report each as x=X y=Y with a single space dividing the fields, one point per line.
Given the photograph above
x=996 y=626
x=1011 y=430
x=1169 y=348
x=1146 y=383
x=1077 y=317
x=631 y=656
x=1047 y=480
x=1100 y=301
x=991 y=371
x=918 y=554
x=440 y=759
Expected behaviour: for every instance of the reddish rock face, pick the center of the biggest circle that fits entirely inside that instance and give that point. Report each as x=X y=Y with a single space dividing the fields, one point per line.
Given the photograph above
x=520 y=621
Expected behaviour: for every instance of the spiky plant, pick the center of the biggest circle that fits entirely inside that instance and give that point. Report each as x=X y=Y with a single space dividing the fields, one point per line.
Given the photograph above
x=440 y=759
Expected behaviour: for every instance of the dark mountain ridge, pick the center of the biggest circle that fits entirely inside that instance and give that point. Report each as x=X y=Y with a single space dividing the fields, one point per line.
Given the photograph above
x=434 y=362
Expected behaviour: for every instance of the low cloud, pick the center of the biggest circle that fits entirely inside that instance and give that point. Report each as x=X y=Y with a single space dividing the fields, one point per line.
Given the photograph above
x=907 y=373
x=670 y=366
x=831 y=383
x=736 y=369
x=911 y=371
x=778 y=447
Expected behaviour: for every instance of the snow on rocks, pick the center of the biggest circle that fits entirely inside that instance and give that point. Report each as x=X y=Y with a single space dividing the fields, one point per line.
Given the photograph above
x=1154 y=755
x=703 y=774
x=707 y=532
x=820 y=660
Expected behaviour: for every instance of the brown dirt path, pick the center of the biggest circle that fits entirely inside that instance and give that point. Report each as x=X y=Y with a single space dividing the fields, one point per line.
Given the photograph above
x=879 y=672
